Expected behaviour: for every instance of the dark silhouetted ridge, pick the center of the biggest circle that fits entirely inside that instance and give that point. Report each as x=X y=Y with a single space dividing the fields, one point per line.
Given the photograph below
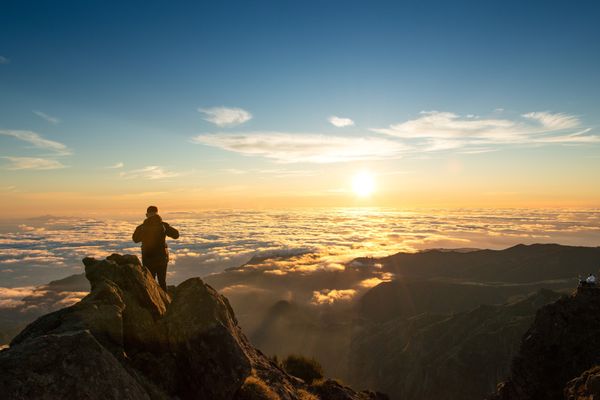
x=560 y=353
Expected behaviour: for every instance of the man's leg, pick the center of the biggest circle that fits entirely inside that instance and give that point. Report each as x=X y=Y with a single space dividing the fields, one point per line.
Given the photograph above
x=161 y=271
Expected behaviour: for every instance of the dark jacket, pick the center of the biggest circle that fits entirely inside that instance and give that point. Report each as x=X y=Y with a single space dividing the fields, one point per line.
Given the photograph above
x=152 y=233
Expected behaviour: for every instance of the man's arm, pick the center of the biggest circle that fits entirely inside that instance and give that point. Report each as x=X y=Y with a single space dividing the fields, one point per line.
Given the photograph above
x=170 y=231
x=137 y=235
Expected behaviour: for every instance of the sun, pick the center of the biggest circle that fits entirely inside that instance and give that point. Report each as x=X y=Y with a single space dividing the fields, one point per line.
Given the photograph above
x=363 y=184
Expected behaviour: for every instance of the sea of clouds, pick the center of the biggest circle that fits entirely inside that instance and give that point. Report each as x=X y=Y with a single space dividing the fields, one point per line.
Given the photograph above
x=37 y=250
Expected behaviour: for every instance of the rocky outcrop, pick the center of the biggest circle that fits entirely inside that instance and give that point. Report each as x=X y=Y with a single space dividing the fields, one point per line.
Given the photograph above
x=557 y=350
x=333 y=390
x=130 y=339
x=584 y=387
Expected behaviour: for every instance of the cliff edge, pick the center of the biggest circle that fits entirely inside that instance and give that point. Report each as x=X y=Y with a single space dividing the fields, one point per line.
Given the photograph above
x=560 y=352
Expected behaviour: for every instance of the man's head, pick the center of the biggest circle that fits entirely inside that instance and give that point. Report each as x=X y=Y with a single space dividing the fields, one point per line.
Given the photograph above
x=152 y=210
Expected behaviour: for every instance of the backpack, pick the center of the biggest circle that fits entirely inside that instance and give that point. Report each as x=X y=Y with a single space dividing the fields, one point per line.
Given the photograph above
x=153 y=241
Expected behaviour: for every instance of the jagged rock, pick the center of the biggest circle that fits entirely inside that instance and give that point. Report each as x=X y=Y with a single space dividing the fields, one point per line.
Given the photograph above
x=584 y=387
x=562 y=343
x=333 y=390
x=208 y=345
x=66 y=365
x=129 y=339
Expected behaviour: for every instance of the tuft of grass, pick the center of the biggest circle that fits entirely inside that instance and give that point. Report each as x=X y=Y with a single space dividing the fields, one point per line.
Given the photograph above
x=304 y=395
x=255 y=388
x=307 y=369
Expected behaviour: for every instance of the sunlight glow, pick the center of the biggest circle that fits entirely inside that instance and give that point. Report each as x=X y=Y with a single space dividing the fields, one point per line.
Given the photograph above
x=363 y=184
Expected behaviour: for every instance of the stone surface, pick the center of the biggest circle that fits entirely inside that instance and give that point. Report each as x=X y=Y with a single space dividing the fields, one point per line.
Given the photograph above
x=130 y=339
x=67 y=365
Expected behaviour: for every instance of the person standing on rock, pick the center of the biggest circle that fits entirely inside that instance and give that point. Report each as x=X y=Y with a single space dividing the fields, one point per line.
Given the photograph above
x=155 y=254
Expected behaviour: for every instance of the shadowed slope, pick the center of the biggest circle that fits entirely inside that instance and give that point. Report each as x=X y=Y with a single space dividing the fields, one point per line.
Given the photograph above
x=428 y=356
x=562 y=343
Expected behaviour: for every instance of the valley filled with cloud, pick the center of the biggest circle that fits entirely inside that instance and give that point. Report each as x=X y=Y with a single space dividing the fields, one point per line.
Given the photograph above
x=276 y=243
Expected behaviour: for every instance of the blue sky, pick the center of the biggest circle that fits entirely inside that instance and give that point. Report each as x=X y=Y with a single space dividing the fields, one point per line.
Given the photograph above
x=122 y=83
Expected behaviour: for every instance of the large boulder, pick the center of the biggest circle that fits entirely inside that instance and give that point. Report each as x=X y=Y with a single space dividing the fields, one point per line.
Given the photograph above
x=66 y=365
x=208 y=345
x=130 y=339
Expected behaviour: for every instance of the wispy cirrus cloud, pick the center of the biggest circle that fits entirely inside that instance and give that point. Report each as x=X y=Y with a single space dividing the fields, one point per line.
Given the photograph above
x=225 y=116
x=553 y=121
x=438 y=130
x=4 y=60
x=432 y=131
x=271 y=172
x=286 y=147
x=34 y=163
x=37 y=140
x=49 y=118
x=151 y=172
x=116 y=166
x=340 y=122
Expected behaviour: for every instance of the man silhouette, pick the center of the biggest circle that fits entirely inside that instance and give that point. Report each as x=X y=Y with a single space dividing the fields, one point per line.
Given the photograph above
x=155 y=254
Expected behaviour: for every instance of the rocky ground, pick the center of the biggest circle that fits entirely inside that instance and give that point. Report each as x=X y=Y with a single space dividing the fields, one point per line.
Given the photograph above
x=129 y=339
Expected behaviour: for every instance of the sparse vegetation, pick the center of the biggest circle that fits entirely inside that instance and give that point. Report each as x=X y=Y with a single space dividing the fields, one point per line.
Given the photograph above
x=307 y=369
x=254 y=388
x=304 y=395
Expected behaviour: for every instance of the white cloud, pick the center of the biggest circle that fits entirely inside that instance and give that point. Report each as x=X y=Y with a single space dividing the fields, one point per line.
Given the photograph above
x=37 y=140
x=18 y=163
x=445 y=125
x=553 y=121
x=330 y=296
x=152 y=172
x=49 y=118
x=340 y=122
x=225 y=116
x=4 y=60
x=435 y=131
x=572 y=138
x=116 y=166
x=311 y=148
